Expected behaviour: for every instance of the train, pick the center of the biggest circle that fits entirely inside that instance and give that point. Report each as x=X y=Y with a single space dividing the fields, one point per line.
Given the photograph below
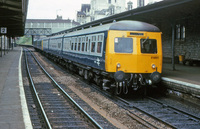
x=121 y=56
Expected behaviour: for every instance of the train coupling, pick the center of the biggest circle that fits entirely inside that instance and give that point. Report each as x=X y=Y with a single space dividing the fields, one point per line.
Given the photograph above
x=106 y=84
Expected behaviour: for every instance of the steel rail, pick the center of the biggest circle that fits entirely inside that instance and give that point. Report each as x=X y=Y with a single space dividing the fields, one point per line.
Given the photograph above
x=68 y=96
x=36 y=95
x=156 y=118
x=181 y=111
x=132 y=115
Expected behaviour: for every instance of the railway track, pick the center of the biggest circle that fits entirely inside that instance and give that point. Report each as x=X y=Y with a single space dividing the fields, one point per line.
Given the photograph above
x=150 y=124
x=142 y=122
x=56 y=108
x=143 y=109
x=166 y=114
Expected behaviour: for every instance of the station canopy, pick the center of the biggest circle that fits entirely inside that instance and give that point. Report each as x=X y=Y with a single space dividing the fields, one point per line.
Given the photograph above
x=13 y=17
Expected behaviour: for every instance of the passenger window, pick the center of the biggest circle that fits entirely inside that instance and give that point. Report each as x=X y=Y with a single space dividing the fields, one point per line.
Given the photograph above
x=83 y=39
x=99 y=47
x=148 y=45
x=100 y=37
x=75 y=40
x=59 y=45
x=93 y=38
x=83 y=45
x=75 y=46
x=72 y=45
x=86 y=44
x=79 y=46
x=93 y=47
x=123 y=45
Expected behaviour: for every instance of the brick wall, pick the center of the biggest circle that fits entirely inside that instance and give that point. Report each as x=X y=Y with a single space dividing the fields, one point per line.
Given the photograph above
x=190 y=47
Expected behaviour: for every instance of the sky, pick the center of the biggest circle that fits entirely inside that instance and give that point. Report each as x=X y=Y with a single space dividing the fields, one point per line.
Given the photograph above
x=49 y=9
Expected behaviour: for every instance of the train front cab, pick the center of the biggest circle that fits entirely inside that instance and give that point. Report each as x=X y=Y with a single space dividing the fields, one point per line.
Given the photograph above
x=136 y=54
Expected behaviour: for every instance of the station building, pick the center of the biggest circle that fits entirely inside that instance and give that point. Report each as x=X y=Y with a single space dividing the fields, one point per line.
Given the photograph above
x=54 y=25
x=98 y=9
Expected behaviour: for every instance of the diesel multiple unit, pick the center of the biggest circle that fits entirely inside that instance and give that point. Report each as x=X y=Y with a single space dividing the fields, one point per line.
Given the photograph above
x=121 y=56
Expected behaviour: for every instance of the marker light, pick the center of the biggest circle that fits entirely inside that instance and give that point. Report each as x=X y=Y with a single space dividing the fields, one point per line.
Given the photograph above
x=118 y=65
x=153 y=66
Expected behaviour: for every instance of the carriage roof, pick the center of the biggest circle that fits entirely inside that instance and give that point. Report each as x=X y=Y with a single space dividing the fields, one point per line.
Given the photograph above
x=121 y=26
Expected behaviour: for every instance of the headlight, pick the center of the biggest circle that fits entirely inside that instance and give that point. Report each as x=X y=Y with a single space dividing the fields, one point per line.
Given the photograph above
x=153 y=66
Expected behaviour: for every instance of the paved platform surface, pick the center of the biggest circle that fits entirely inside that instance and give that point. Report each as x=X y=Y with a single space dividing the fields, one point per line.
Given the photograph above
x=189 y=74
x=13 y=109
x=185 y=79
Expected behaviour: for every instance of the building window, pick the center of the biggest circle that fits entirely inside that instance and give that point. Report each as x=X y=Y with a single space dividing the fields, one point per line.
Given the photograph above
x=183 y=32
x=180 y=32
x=55 y=24
x=61 y=24
x=112 y=10
x=130 y=7
x=140 y=3
x=48 y=25
x=34 y=25
x=109 y=1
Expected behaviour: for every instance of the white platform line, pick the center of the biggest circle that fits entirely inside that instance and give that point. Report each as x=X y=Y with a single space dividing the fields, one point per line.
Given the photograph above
x=25 y=112
x=181 y=82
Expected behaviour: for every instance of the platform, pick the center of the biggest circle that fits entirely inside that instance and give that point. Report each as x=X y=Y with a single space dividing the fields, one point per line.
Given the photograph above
x=13 y=109
x=183 y=78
